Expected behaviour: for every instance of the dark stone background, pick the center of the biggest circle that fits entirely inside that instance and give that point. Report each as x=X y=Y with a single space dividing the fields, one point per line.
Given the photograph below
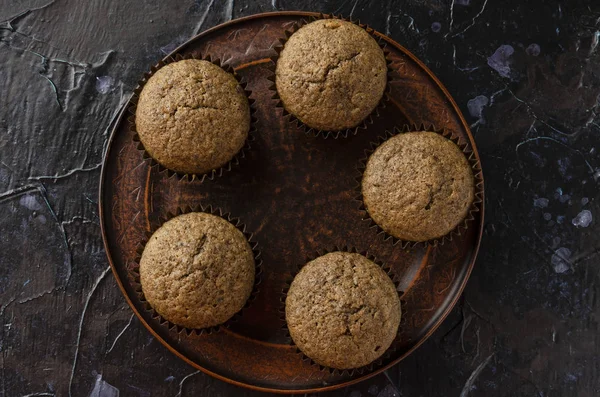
x=526 y=75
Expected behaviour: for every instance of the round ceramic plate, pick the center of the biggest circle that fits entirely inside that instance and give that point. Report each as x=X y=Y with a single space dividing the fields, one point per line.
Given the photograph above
x=296 y=193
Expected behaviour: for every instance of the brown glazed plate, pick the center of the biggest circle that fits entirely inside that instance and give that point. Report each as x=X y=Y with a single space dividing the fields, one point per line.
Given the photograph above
x=296 y=193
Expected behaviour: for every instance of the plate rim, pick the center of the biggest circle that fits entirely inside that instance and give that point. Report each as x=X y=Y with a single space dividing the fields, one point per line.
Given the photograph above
x=116 y=123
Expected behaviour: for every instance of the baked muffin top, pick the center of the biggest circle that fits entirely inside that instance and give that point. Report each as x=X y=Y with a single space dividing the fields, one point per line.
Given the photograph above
x=197 y=270
x=192 y=116
x=342 y=310
x=418 y=186
x=331 y=74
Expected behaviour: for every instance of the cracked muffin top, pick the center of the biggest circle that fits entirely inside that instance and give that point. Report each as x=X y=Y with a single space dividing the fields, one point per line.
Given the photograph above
x=331 y=74
x=342 y=310
x=192 y=116
x=197 y=270
x=418 y=186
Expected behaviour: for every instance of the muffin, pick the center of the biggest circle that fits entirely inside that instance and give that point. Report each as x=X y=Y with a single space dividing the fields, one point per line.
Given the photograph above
x=192 y=116
x=197 y=270
x=418 y=186
x=331 y=74
x=342 y=310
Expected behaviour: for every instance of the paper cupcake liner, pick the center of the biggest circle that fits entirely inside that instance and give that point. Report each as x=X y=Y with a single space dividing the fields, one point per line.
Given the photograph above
x=345 y=372
x=132 y=106
x=478 y=184
x=337 y=133
x=134 y=274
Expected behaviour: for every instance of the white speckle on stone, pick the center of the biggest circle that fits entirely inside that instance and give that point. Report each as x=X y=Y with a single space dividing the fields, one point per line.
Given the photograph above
x=500 y=60
x=476 y=106
x=104 y=84
x=169 y=378
x=541 y=202
x=560 y=260
x=594 y=44
x=103 y=389
x=584 y=201
x=583 y=219
x=30 y=202
x=533 y=50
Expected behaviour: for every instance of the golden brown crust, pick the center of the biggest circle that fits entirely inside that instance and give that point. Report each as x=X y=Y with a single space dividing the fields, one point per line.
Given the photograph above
x=192 y=116
x=418 y=186
x=342 y=310
x=331 y=74
x=197 y=270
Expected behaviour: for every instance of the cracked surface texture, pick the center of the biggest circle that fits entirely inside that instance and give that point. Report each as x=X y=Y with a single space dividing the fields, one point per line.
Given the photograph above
x=197 y=270
x=342 y=310
x=331 y=74
x=418 y=186
x=192 y=116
